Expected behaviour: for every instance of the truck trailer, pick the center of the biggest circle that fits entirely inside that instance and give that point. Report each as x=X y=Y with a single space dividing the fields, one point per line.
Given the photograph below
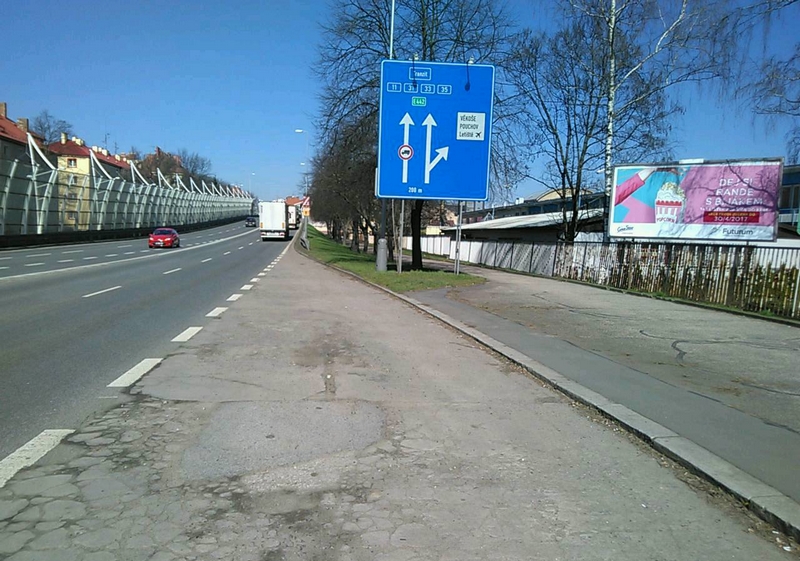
x=273 y=220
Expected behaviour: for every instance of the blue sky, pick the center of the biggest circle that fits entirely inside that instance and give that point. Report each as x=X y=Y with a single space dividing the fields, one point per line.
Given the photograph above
x=233 y=80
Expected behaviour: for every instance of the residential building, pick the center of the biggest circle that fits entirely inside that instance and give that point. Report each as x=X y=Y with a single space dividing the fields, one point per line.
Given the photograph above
x=75 y=181
x=13 y=136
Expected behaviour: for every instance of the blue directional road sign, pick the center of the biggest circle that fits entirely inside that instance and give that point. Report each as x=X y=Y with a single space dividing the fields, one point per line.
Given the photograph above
x=435 y=130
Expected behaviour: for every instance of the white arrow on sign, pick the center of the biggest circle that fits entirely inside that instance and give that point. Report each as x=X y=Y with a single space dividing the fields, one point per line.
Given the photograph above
x=441 y=153
x=407 y=122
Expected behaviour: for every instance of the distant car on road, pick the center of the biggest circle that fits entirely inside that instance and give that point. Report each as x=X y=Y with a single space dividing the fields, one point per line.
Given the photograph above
x=164 y=237
x=251 y=221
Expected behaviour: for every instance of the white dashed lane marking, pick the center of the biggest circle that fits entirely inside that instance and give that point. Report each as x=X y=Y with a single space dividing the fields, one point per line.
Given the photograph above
x=33 y=264
x=30 y=452
x=187 y=334
x=134 y=374
x=101 y=291
x=234 y=297
x=171 y=271
x=246 y=287
x=206 y=260
x=216 y=312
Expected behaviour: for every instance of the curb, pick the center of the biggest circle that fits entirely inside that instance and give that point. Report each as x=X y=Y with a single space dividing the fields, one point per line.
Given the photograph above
x=764 y=501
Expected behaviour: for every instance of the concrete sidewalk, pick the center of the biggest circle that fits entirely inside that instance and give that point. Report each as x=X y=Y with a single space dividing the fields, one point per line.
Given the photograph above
x=321 y=419
x=728 y=383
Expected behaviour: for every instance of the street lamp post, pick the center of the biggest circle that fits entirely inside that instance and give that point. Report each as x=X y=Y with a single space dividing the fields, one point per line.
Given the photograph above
x=305 y=172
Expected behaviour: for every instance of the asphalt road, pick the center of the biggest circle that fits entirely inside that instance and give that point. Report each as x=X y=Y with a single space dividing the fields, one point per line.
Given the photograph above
x=75 y=318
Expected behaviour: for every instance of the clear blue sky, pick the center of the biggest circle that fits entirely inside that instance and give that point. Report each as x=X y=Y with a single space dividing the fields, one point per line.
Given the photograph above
x=233 y=80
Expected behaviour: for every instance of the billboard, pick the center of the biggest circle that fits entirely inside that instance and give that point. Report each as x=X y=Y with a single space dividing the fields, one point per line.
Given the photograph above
x=731 y=200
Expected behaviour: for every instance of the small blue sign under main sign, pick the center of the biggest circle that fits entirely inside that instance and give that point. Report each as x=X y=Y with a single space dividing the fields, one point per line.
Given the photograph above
x=441 y=115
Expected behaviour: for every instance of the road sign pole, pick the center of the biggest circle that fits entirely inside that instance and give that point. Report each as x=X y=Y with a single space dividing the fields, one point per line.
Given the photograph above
x=382 y=256
x=458 y=240
x=383 y=250
x=402 y=231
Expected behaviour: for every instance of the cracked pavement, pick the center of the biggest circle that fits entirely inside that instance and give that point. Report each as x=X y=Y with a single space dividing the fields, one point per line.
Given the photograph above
x=321 y=419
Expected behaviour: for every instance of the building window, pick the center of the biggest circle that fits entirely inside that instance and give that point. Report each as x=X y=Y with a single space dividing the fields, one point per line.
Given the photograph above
x=72 y=162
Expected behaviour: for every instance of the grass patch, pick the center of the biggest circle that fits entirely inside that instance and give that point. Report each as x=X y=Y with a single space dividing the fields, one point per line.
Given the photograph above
x=328 y=251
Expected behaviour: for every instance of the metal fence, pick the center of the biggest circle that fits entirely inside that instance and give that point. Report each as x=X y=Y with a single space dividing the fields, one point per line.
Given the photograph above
x=36 y=199
x=753 y=278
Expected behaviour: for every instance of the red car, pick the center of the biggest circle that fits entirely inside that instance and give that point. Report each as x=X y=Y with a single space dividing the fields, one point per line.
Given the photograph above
x=164 y=237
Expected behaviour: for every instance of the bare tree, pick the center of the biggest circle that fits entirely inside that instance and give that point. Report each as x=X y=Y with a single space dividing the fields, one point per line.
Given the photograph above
x=194 y=164
x=50 y=127
x=776 y=90
x=358 y=38
x=559 y=80
x=673 y=42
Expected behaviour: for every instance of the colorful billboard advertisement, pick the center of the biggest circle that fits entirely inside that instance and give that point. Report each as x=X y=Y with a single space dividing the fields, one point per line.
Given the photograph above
x=734 y=200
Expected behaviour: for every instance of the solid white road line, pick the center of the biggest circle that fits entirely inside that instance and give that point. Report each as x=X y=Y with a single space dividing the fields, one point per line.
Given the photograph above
x=72 y=251
x=171 y=271
x=246 y=287
x=227 y=253
x=66 y=260
x=255 y=279
x=30 y=452
x=187 y=334
x=216 y=312
x=39 y=255
x=33 y=264
x=132 y=376
x=101 y=292
x=206 y=260
x=89 y=258
x=234 y=297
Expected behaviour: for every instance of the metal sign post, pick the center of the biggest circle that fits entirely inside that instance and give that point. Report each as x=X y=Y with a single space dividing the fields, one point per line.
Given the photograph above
x=402 y=231
x=435 y=124
x=458 y=240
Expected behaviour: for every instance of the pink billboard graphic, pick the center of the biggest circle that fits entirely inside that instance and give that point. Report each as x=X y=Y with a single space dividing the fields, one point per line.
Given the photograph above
x=715 y=200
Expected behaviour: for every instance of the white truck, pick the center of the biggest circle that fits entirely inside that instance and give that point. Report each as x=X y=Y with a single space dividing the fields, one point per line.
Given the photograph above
x=293 y=222
x=273 y=220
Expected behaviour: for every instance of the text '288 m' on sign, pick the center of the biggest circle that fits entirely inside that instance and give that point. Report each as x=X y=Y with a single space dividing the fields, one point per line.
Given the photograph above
x=435 y=130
